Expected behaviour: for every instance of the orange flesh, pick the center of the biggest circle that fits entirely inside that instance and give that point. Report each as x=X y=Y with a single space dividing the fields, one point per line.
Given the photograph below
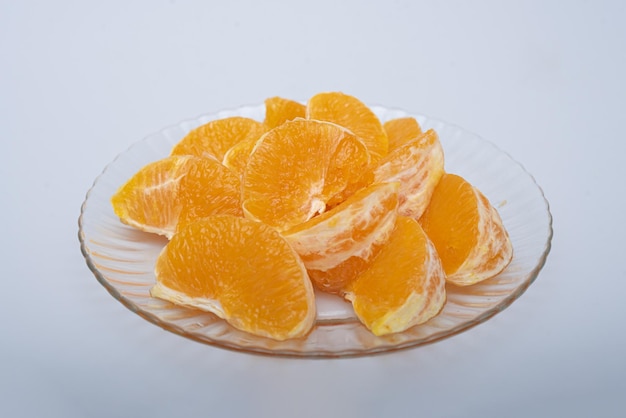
x=236 y=158
x=351 y=113
x=336 y=245
x=177 y=189
x=400 y=131
x=215 y=138
x=296 y=168
x=336 y=279
x=222 y=197
x=418 y=165
x=451 y=221
x=407 y=270
x=146 y=198
x=243 y=271
x=279 y=110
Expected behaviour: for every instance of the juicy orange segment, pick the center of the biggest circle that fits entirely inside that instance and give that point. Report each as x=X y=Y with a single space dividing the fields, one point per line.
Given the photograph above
x=242 y=271
x=236 y=158
x=467 y=232
x=401 y=130
x=296 y=168
x=417 y=165
x=351 y=113
x=209 y=188
x=405 y=284
x=336 y=245
x=279 y=110
x=175 y=190
x=216 y=137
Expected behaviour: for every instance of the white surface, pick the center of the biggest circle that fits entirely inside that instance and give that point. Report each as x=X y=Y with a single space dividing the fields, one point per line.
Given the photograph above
x=80 y=82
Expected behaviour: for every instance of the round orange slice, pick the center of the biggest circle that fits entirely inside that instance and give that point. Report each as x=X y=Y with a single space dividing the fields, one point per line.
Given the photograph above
x=296 y=168
x=351 y=113
x=467 y=232
x=336 y=245
x=174 y=190
x=405 y=284
x=417 y=165
x=216 y=137
x=240 y=270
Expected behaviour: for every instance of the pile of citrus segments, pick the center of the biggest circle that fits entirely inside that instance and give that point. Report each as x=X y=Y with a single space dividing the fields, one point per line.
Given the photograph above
x=318 y=195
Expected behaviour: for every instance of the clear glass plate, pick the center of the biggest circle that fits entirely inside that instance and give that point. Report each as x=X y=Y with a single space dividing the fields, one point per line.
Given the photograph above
x=122 y=258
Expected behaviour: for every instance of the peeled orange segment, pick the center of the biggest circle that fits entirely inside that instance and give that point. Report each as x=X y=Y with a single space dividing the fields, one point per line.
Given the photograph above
x=208 y=189
x=177 y=189
x=296 y=168
x=236 y=158
x=467 y=232
x=351 y=113
x=365 y=180
x=417 y=165
x=279 y=110
x=405 y=284
x=216 y=137
x=242 y=271
x=401 y=130
x=336 y=245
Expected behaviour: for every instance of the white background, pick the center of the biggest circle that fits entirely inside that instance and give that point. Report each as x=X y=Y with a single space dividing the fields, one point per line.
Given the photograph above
x=82 y=81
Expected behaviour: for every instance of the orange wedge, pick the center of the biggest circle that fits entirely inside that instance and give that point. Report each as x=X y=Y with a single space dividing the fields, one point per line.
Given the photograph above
x=401 y=130
x=351 y=113
x=216 y=137
x=296 y=168
x=242 y=271
x=336 y=245
x=279 y=110
x=236 y=158
x=418 y=165
x=174 y=190
x=405 y=284
x=467 y=232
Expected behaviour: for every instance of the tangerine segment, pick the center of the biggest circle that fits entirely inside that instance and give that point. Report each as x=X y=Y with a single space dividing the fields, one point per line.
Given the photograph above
x=417 y=165
x=279 y=110
x=296 y=168
x=242 y=271
x=405 y=284
x=467 y=232
x=178 y=187
x=216 y=137
x=208 y=189
x=336 y=245
x=401 y=130
x=236 y=158
x=351 y=113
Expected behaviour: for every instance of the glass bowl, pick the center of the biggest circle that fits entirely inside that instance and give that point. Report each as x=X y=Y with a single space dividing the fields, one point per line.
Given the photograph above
x=122 y=258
